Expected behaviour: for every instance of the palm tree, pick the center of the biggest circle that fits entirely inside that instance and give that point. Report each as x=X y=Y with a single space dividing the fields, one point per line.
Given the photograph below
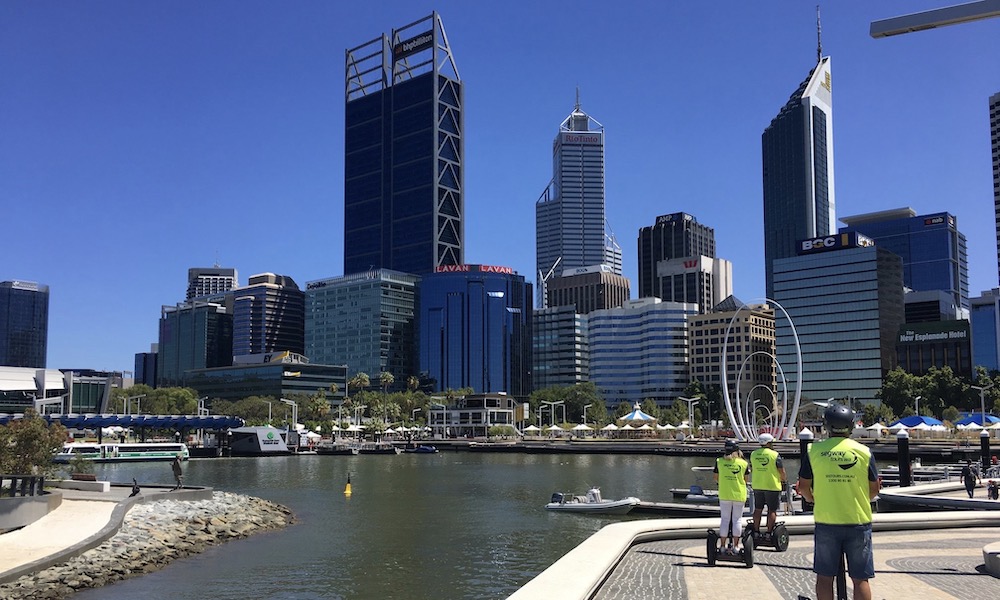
x=385 y=380
x=359 y=382
x=412 y=383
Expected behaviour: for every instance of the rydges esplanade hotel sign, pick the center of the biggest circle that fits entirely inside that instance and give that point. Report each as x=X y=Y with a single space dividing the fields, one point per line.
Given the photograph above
x=474 y=269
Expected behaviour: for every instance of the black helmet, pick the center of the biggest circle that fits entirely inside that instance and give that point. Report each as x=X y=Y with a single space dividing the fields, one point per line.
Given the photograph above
x=732 y=446
x=838 y=418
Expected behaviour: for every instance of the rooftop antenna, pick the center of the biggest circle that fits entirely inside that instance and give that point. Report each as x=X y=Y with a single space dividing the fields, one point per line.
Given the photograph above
x=577 y=107
x=819 y=38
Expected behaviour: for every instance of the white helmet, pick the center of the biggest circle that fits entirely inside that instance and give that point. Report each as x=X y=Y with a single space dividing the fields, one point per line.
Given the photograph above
x=765 y=439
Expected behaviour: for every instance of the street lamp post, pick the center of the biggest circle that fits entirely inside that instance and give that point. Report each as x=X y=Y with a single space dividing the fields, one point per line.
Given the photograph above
x=413 y=414
x=690 y=403
x=586 y=406
x=982 y=401
x=295 y=418
x=916 y=405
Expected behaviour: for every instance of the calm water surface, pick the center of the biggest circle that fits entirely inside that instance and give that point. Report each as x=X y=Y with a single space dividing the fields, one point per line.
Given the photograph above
x=439 y=526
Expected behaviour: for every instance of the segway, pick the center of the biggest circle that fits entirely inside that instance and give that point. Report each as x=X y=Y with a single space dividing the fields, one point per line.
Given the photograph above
x=777 y=539
x=745 y=555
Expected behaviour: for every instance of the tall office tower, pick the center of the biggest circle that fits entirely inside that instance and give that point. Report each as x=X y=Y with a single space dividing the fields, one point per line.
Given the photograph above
x=145 y=366
x=677 y=235
x=797 y=152
x=268 y=316
x=639 y=351
x=749 y=349
x=403 y=153
x=698 y=280
x=475 y=330
x=985 y=319
x=193 y=335
x=932 y=248
x=570 y=224
x=365 y=321
x=24 y=324
x=995 y=144
x=561 y=356
x=588 y=289
x=845 y=298
x=205 y=281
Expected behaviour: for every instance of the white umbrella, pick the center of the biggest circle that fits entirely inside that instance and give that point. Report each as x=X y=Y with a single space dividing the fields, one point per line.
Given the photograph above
x=390 y=430
x=353 y=427
x=403 y=429
x=313 y=436
x=609 y=427
x=627 y=426
x=683 y=426
x=669 y=426
x=335 y=428
x=582 y=427
x=645 y=426
x=876 y=427
x=532 y=428
x=554 y=428
x=898 y=427
x=994 y=426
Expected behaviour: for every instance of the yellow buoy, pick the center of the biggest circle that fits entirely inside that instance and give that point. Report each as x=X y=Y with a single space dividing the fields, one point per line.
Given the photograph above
x=347 y=490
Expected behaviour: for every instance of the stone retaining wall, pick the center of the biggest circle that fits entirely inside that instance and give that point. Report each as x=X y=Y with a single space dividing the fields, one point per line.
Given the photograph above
x=152 y=535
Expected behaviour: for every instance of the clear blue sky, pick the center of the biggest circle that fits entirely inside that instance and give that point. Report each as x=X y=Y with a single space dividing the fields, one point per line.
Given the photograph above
x=138 y=139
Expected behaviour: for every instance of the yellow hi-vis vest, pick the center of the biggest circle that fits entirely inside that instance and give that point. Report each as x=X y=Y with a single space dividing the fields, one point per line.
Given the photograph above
x=764 y=470
x=732 y=479
x=840 y=482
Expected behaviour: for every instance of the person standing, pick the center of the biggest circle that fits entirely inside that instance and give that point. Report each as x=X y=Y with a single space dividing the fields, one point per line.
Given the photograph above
x=731 y=473
x=970 y=476
x=178 y=472
x=840 y=478
x=768 y=480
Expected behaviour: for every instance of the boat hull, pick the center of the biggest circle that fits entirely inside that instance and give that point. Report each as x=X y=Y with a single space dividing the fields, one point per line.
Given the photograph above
x=608 y=507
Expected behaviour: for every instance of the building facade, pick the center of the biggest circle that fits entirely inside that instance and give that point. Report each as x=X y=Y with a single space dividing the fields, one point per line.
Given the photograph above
x=475 y=330
x=985 y=319
x=365 y=321
x=193 y=335
x=403 y=153
x=560 y=347
x=207 y=281
x=797 y=152
x=24 y=324
x=920 y=346
x=845 y=300
x=932 y=248
x=145 y=366
x=570 y=219
x=639 y=351
x=697 y=280
x=588 y=289
x=278 y=377
x=268 y=316
x=673 y=236
x=995 y=145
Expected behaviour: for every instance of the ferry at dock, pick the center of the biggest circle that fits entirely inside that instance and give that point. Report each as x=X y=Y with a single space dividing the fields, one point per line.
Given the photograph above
x=122 y=452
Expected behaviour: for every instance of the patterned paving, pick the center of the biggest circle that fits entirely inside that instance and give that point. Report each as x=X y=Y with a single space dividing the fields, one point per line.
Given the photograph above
x=924 y=565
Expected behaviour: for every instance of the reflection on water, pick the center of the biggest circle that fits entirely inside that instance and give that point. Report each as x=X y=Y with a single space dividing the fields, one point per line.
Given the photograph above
x=447 y=525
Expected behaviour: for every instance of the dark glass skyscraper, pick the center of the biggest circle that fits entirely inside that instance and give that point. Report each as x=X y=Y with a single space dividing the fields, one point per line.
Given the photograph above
x=268 y=316
x=678 y=235
x=797 y=152
x=24 y=324
x=193 y=335
x=995 y=145
x=403 y=153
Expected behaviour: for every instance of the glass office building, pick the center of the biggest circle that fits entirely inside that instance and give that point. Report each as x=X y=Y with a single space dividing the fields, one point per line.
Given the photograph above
x=268 y=316
x=193 y=335
x=677 y=235
x=274 y=379
x=24 y=324
x=932 y=248
x=846 y=302
x=403 y=153
x=985 y=318
x=475 y=330
x=559 y=348
x=797 y=153
x=639 y=351
x=995 y=145
x=365 y=321
x=207 y=281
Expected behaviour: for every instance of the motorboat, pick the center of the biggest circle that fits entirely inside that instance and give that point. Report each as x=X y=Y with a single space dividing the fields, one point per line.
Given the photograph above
x=122 y=452
x=592 y=502
x=421 y=449
x=378 y=448
x=330 y=449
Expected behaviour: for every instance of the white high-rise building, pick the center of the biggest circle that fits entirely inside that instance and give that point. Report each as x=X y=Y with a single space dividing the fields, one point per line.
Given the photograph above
x=570 y=223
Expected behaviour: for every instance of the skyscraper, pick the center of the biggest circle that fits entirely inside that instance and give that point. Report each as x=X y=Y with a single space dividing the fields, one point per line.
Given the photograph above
x=569 y=216
x=193 y=335
x=797 y=152
x=995 y=143
x=268 y=316
x=403 y=153
x=205 y=281
x=677 y=235
x=24 y=324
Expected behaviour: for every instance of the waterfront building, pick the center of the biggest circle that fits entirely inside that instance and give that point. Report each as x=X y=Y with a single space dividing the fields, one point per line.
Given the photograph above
x=205 y=281
x=697 y=280
x=403 y=152
x=193 y=335
x=588 y=289
x=24 y=324
x=365 y=321
x=797 y=153
x=677 y=235
x=473 y=415
x=639 y=351
x=995 y=145
x=560 y=350
x=985 y=317
x=932 y=306
x=268 y=316
x=145 y=366
x=845 y=298
x=570 y=221
x=749 y=348
x=475 y=330
x=920 y=346
x=27 y=387
x=932 y=248
x=278 y=376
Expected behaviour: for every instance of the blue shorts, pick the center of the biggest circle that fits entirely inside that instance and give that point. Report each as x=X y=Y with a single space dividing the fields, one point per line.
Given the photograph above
x=855 y=541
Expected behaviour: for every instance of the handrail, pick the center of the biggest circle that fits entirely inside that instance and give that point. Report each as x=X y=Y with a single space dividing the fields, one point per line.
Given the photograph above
x=22 y=485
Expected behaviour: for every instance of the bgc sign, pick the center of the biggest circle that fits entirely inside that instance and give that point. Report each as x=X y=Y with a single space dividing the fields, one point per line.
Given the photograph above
x=839 y=241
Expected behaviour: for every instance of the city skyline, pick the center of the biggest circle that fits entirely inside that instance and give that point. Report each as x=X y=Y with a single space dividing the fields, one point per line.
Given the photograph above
x=142 y=141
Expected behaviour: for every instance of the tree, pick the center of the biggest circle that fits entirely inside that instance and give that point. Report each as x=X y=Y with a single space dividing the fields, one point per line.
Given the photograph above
x=899 y=388
x=28 y=444
x=412 y=383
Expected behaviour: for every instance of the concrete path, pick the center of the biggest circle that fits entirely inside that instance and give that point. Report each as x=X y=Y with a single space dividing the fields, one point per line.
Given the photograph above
x=72 y=523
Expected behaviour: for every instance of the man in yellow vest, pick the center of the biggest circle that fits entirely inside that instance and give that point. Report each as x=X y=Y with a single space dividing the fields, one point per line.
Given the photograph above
x=768 y=480
x=731 y=474
x=839 y=476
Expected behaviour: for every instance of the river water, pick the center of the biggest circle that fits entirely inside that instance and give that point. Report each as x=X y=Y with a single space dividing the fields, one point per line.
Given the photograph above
x=418 y=526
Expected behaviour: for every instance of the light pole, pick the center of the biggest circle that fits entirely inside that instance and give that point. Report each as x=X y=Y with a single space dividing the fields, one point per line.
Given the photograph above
x=690 y=403
x=916 y=405
x=295 y=418
x=585 y=407
x=982 y=401
x=268 y=411
x=413 y=414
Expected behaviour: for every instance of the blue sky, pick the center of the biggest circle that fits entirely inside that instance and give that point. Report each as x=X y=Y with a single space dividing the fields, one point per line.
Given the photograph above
x=138 y=139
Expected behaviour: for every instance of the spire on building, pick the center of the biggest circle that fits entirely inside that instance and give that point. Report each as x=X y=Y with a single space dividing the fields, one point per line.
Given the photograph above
x=819 y=38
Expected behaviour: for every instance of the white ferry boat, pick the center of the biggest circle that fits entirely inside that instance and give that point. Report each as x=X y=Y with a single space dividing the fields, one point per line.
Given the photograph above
x=122 y=452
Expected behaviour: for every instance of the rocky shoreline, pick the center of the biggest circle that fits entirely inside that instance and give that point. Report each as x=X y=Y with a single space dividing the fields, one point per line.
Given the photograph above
x=152 y=535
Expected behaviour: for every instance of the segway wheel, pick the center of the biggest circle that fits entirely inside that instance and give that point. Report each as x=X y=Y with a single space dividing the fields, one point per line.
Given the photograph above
x=780 y=537
x=748 y=552
x=712 y=546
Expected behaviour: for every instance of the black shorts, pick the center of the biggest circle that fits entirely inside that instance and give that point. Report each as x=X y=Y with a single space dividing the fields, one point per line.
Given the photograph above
x=772 y=498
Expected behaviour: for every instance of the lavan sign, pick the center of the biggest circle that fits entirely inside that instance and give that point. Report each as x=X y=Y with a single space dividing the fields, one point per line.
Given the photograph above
x=473 y=269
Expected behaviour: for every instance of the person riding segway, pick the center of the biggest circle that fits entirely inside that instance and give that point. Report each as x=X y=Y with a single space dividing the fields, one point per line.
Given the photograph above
x=731 y=473
x=768 y=481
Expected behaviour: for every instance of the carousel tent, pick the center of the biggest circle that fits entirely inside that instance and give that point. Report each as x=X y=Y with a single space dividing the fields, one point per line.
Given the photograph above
x=637 y=415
